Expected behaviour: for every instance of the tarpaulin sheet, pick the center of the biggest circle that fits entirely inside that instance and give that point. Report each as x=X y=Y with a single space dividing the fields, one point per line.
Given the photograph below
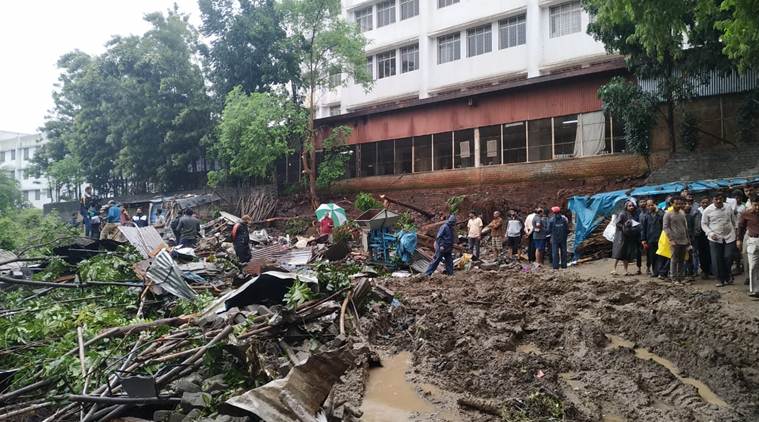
x=589 y=211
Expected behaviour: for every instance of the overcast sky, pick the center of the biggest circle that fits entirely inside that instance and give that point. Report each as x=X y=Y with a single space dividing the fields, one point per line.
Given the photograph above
x=35 y=33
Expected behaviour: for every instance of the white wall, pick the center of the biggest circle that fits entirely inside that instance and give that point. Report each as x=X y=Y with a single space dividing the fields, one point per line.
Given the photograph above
x=540 y=54
x=17 y=142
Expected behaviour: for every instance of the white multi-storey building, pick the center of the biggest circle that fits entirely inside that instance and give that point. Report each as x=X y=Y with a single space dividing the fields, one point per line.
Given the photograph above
x=16 y=153
x=470 y=84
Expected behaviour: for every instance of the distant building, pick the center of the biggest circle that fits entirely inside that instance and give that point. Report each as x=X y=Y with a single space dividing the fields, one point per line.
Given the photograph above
x=16 y=153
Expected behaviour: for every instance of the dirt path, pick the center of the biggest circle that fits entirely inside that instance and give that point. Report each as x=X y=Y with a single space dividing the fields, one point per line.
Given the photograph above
x=541 y=345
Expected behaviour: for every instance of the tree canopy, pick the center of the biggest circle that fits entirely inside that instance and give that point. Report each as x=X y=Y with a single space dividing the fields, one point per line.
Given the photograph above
x=10 y=194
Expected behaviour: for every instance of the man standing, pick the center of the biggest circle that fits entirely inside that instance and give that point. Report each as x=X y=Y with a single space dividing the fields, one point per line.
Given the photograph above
x=651 y=225
x=675 y=226
x=325 y=225
x=241 y=239
x=443 y=247
x=474 y=232
x=188 y=229
x=748 y=226
x=496 y=233
x=94 y=223
x=112 y=219
x=85 y=202
x=539 y=236
x=160 y=220
x=558 y=229
x=718 y=222
x=528 y=228
x=514 y=233
x=139 y=219
x=701 y=243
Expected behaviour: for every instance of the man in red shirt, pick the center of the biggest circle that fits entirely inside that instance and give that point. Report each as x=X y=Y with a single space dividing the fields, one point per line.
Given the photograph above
x=326 y=225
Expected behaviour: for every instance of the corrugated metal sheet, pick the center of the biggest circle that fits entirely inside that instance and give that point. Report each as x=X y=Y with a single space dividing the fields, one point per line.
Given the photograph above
x=716 y=84
x=7 y=256
x=196 y=200
x=145 y=239
x=165 y=273
x=420 y=261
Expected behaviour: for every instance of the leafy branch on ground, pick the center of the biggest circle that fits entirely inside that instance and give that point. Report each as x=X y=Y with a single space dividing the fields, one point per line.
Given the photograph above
x=298 y=293
x=365 y=202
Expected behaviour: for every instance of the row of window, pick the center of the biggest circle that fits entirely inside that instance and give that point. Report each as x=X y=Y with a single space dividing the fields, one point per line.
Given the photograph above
x=577 y=135
x=386 y=12
x=22 y=174
x=386 y=61
x=36 y=195
x=10 y=155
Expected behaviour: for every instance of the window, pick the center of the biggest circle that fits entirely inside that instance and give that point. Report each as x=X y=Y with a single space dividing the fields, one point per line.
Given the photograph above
x=448 y=48
x=479 y=40
x=422 y=153
x=403 y=156
x=512 y=31
x=385 y=13
x=539 y=139
x=26 y=173
x=368 y=159
x=565 y=19
x=334 y=110
x=593 y=137
x=410 y=58
x=444 y=3
x=2 y=156
x=26 y=195
x=490 y=145
x=335 y=80
x=566 y=138
x=409 y=8
x=37 y=195
x=364 y=19
x=463 y=142
x=26 y=153
x=385 y=64
x=370 y=67
x=13 y=155
x=385 y=157
x=442 y=151
x=514 y=143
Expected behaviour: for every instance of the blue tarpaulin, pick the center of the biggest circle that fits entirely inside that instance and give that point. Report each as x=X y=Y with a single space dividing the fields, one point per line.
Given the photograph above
x=590 y=211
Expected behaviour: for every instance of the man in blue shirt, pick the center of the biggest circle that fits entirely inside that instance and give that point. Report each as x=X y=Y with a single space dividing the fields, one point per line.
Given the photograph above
x=443 y=247
x=112 y=219
x=558 y=229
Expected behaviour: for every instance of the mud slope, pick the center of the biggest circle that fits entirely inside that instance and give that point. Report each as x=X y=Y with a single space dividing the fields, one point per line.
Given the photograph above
x=607 y=349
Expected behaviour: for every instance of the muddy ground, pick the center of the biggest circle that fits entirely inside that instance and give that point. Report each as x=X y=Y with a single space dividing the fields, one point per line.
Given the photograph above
x=571 y=346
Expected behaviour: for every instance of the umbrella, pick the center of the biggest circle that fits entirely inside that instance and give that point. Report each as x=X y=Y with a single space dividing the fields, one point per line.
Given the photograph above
x=336 y=213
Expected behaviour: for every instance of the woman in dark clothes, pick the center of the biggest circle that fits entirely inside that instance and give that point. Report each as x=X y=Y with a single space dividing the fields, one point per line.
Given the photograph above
x=626 y=246
x=241 y=240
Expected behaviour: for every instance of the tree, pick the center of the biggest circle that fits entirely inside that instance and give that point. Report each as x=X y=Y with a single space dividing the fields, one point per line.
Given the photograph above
x=740 y=32
x=10 y=194
x=324 y=43
x=672 y=41
x=248 y=46
x=254 y=132
x=132 y=119
x=336 y=157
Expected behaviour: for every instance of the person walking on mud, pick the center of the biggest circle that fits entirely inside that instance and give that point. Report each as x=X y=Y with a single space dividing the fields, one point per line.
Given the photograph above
x=748 y=228
x=651 y=226
x=474 y=232
x=496 y=233
x=539 y=236
x=625 y=245
x=676 y=226
x=443 y=247
x=718 y=222
x=558 y=229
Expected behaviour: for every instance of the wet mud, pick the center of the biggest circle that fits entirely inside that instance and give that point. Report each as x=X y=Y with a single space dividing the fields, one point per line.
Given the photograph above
x=553 y=346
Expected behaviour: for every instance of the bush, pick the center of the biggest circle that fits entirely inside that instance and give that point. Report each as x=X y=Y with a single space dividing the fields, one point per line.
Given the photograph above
x=28 y=227
x=406 y=222
x=454 y=203
x=296 y=226
x=365 y=202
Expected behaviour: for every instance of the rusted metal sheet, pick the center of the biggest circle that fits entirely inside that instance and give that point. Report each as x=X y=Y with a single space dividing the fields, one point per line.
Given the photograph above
x=557 y=98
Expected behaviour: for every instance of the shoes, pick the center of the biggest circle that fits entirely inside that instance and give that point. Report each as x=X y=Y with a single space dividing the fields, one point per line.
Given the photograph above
x=720 y=285
x=754 y=295
x=662 y=277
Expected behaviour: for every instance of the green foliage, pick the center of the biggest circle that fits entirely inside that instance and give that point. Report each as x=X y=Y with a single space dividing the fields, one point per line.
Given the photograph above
x=365 y=202
x=333 y=277
x=296 y=226
x=748 y=113
x=406 y=222
x=344 y=233
x=635 y=108
x=54 y=269
x=337 y=154
x=740 y=32
x=10 y=194
x=106 y=267
x=132 y=118
x=454 y=203
x=689 y=131
x=298 y=293
x=28 y=227
x=254 y=133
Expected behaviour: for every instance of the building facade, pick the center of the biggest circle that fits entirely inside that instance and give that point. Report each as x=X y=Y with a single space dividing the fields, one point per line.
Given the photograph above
x=16 y=152
x=471 y=85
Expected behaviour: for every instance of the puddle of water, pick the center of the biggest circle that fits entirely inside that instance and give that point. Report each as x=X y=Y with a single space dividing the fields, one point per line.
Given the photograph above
x=528 y=348
x=704 y=391
x=390 y=398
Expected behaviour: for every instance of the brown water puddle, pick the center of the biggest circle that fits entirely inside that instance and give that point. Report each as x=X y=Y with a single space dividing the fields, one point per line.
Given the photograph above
x=389 y=397
x=704 y=391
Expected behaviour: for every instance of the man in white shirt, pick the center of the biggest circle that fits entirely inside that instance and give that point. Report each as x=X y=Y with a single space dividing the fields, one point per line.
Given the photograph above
x=528 y=228
x=719 y=224
x=474 y=229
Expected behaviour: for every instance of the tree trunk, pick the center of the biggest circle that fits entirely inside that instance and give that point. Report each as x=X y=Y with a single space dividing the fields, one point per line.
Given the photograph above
x=671 y=123
x=309 y=151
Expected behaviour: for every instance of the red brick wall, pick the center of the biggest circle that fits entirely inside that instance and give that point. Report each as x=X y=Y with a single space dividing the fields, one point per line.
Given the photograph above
x=609 y=166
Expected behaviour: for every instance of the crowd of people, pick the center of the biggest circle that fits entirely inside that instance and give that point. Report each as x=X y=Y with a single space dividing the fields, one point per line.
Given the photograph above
x=680 y=238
